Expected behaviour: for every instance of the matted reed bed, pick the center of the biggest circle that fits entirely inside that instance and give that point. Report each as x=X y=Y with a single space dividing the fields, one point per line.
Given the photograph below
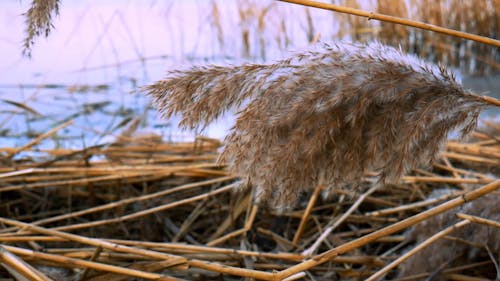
x=141 y=208
x=165 y=211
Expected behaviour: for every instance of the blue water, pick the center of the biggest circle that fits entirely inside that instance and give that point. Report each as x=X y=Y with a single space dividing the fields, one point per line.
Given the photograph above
x=111 y=47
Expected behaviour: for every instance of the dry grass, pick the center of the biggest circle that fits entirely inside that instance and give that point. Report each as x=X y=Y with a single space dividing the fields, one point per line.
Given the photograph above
x=166 y=211
x=142 y=208
x=323 y=117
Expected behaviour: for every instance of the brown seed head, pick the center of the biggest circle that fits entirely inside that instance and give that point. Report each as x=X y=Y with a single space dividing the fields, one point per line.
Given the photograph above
x=38 y=20
x=329 y=115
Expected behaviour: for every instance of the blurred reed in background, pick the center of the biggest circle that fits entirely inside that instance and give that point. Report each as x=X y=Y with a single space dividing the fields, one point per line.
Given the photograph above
x=262 y=21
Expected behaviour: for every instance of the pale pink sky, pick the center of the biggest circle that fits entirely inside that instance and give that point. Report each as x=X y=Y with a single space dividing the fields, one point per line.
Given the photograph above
x=101 y=32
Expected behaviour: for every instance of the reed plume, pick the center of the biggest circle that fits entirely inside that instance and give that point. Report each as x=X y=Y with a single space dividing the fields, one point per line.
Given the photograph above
x=38 y=18
x=325 y=116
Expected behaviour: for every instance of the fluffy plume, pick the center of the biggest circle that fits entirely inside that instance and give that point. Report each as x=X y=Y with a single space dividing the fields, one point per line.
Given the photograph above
x=452 y=252
x=38 y=20
x=327 y=116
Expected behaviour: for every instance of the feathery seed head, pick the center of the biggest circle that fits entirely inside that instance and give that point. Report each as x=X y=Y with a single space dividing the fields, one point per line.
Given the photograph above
x=327 y=115
x=38 y=18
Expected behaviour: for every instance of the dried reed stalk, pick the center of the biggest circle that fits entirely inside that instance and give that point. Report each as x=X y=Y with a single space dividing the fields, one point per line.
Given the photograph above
x=400 y=225
x=193 y=210
x=332 y=114
x=475 y=18
x=352 y=26
x=393 y=34
x=39 y=17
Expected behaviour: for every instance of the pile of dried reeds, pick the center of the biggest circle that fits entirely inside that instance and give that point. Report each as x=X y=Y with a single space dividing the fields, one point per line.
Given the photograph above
x=146 y=209
x=162 y=211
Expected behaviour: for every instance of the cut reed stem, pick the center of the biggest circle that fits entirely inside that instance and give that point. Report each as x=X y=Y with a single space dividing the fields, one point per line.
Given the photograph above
x=306 y=214
x=480 y=220
x=311 y=250
x=18 y=267
x=89 y=264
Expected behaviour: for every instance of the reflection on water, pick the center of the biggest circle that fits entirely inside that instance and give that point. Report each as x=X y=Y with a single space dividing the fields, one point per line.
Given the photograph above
x=90 y=67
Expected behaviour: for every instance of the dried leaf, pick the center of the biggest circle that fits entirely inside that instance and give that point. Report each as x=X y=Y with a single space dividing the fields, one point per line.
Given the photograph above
x=23 y=107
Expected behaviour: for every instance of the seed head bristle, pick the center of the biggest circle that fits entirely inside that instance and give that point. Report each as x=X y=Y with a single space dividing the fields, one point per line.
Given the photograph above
x=38 y=18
